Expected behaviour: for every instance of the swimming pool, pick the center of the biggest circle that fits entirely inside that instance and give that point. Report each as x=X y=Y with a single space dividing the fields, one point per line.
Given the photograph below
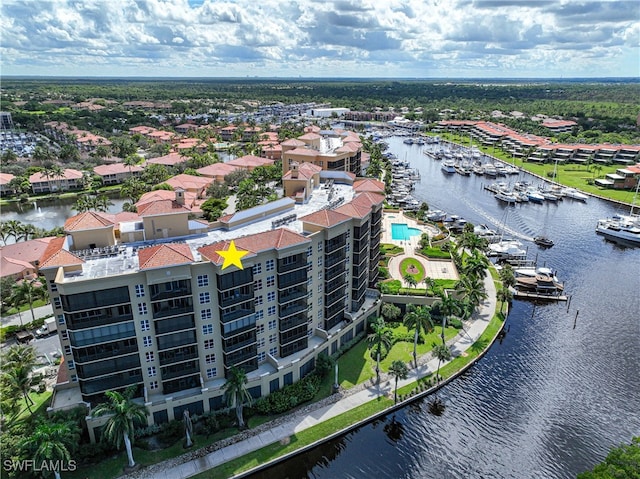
x=400 y=231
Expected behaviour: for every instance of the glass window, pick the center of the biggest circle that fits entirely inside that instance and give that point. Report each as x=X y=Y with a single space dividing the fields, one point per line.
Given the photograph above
x=151 y=371
x=273 y=338
x=153 y=385
x=271 y=296
x=207 y=328
x=262 y=356
x=61 y=319
x=271 y=310
x=203 y=280
x=139 y=290
x=212 y=373
x=257 y=268
x=205 y=297
x=149 y=355
x=142 y=308
x=260 y=329
x=144 y=325
x=208 y=344
x=271 y=281
x=272 y=324
x=259 y=300
x=147 y=341
x=270 y=265
x=257 y=285
x=210 y=358
x=273 y=351
x=206 y=314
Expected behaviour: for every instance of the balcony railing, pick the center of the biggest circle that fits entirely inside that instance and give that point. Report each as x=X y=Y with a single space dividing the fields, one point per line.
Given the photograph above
x=163 y=311
x=103 y=320
x=292 y=295
x=172 y=293
x=108 y=366
x=108 y=383
x=174 y=324
x=172 y=356
x=96 y=353
x=172 y=372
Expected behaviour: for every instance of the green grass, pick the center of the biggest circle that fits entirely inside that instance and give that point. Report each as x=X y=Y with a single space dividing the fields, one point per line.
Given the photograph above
x=25 y=308
x=412 y=263
x=41 y=402
x=386 y=248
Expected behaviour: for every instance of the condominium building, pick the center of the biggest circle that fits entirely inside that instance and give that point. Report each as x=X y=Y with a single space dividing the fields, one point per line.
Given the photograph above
x=154 y=302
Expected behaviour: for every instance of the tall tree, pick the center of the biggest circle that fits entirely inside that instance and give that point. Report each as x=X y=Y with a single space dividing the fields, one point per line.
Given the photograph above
x=472 y=289
x=476 y=265
x=28 y=291
x=441 y=352
x=51 y=443
x=18 y=363
x=379 y=337
x=398 y=370
x=420 y=321
x=123 y=414
x=237 y=393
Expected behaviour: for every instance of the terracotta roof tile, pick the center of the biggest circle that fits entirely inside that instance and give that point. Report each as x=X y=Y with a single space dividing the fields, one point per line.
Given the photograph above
x=325 y=218
x=161 y=207
x=369 y=184
x=163 y=255
x=89 y=220
x=55 y=255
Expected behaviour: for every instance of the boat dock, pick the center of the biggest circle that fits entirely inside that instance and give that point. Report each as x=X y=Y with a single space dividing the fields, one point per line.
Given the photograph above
x=531 y=295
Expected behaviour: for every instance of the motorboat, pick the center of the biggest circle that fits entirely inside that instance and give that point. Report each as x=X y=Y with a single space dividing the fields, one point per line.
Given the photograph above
x=543 y=241
x=506 y=197
x=534 y=196
x=490 y=171
x=621 y=228
x=507 y=250
x=575 y=194
x=549 y=196
x=538 y=280
x=448 y=166
x=436 y=215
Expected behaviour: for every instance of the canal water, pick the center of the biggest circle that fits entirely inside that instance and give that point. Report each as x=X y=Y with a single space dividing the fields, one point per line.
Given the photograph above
x=548 y=401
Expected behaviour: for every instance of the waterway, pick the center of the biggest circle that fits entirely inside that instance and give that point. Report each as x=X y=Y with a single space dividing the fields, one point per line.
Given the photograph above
x=548 y=401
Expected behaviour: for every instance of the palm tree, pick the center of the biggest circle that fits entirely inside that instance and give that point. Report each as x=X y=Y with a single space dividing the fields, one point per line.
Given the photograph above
x=429 y=284
x=472 y=289
x=26 y=291
x=18 y=364
x=124 y=414
x=420 y=320
x=504 y=295
x=476 y=265
x=51 y=443
x=398 y=370
x=380 y=337
x=13 y=228
x=442 y=353
x=237 y=392
x=410 y=280
x=507 y=276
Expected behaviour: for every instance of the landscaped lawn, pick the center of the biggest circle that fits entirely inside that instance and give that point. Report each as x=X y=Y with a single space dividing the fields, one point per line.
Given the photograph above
x=413 y=268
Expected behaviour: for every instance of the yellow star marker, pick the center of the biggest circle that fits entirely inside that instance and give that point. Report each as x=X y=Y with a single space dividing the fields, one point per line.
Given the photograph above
x=232 y=256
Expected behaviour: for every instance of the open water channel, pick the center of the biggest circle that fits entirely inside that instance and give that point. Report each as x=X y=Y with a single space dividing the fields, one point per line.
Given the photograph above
x=548 y=401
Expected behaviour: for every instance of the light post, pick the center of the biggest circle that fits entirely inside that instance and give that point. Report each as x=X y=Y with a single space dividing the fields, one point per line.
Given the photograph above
x=336 y=385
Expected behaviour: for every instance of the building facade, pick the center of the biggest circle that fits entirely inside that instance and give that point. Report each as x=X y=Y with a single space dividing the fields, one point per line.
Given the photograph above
x=165 y=314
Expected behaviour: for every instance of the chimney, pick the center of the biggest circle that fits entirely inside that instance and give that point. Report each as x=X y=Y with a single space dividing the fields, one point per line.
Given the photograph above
x=180 y=196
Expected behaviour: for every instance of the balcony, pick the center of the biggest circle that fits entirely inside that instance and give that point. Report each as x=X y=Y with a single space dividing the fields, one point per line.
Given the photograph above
x=75 y=323
x=160 y=292
x=334 y=285
x=287 y=280
x=334 y=261
x=172 y=308
x=292 y=294
x=300 y=262
x=235 y=280
x=107 y=383
x=79 y=340
x=295 y=308
x=103 y=351
x=334 y=246
x=108 y=366
x=174 y=324
x=184 y=369
x=237 y=314
x=177 y=339
x=178 y=355
x=181 y=384
x=234 y=344
x=235 y=297
x=293 y=323
x=240 y=356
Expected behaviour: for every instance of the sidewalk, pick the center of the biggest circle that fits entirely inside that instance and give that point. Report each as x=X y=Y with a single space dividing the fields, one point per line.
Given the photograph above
x=195 y=462
x=14 y=319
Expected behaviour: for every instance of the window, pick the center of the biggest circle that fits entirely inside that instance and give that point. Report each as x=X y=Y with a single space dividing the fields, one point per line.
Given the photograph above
x=273 y=351
x=149 y=355
x=64 y=334
x=257 y=285
x=139 y=290
x=309 y=266
x=203 y=280
x=61 y=319
x=273 y=338
x=206 y=314
x=71 y=365
x=320 y=288
x=271 y=281
x=310 y=332
x=207 y=329
x=319 y=301
x=205 y=298
x=309 y=251
x=147 y=341
x=262 y=356
x=57 y=303
x=271 y=310
x=320 y=261
x=272 y=324
x=260 y=329
x=270 y=265
x=212 y=373
x=53 y=287
x=320 y=247
x=319 y=275
x=257 y=268
x=210 y=358
x=259 y=315
x=142 y=308
x=259 y=300
x=153 y=385
x=144 y=325
x=74 y=378
x=271 y=296
x=67 y=350
x=151 y=371
x=261 y=343
x=208 y=344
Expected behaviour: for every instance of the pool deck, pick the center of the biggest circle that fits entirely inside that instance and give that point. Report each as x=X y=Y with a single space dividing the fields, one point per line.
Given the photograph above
x=436 y=269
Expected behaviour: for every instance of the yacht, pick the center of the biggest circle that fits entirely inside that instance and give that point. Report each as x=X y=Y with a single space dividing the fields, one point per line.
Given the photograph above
x=507 y=250
x=575 y=194
x=448 y=166
x=490 y=171
x=506 y=197
x=538 y=280
x=621 y=228
x=534 y=196
x=543 y=241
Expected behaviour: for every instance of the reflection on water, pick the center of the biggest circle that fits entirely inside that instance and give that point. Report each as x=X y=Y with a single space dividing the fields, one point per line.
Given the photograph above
x=549 y=400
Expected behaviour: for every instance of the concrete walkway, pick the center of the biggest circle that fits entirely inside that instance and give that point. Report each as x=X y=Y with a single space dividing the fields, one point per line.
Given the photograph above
x=198 y=461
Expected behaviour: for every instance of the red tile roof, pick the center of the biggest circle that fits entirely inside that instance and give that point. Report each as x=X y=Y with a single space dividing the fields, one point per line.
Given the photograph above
x=56 y=256
x=217 y=169
x=305 y=171
x=159 y=256
x=161 y=207
x=115 y=169
x=171 y=159
x=250 y=161
x=369 y=184
x=89 y=220
x=325 y=218
x=279 y=238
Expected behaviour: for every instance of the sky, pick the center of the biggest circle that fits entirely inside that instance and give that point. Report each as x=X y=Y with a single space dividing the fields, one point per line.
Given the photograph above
x=321 y=39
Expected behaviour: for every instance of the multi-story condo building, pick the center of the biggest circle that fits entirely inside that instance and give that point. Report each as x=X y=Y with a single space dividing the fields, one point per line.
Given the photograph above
x=152 y=302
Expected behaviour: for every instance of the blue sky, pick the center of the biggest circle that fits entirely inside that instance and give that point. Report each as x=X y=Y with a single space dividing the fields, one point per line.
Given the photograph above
x=317 y=38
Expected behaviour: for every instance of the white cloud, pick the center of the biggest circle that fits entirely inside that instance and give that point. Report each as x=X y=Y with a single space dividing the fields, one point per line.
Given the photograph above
x=350 y=38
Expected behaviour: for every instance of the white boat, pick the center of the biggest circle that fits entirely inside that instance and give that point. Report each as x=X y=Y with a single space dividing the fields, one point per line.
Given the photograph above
x=507 y=249
x=534 y=196
x=539 y=280
x=574 y=194
x=448 y=166
x=622 y=228
x=506 y=197
x=490 y=171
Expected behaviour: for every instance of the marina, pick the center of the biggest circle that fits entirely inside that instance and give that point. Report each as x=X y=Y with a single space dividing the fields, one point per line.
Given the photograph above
x=517 y=405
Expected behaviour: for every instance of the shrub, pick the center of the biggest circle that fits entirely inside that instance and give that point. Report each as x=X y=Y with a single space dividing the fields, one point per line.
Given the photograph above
x=324 y=364
x=289 y=397
x=454 y=323
x=391 y=287
x=171 y=430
